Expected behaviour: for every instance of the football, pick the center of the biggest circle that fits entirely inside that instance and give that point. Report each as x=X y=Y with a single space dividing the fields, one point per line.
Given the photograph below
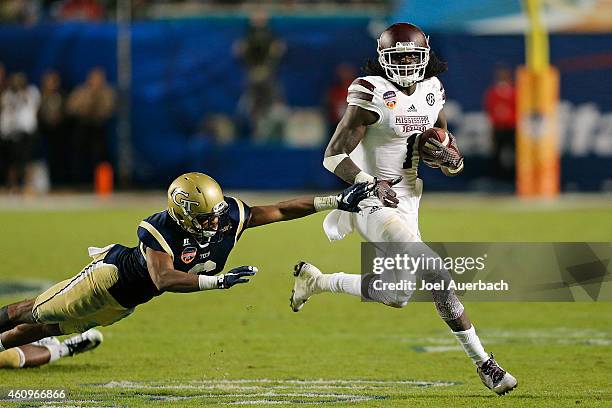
x=440 y=134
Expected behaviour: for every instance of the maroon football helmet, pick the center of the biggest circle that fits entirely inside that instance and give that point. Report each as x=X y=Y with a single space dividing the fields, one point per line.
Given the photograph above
x=403 y=52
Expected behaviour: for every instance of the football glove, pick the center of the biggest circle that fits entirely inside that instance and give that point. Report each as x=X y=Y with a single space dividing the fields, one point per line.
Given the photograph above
x=446 y=156
x=384 y=191
x=349 y=199
x=235 y=276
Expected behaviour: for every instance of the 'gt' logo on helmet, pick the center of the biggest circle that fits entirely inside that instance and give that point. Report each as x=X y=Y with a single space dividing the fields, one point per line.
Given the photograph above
x=180 y=198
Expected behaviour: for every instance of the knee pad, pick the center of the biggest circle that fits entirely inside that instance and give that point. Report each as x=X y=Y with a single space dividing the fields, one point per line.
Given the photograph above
x=397 y=230
x=397 y=299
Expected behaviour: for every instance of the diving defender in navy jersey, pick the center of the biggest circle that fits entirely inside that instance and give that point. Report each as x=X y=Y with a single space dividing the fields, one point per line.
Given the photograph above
x=181 y=249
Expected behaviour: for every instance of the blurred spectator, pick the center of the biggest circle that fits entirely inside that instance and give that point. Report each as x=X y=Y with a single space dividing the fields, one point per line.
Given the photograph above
x=336 y=95
x=217 y=128
x=261 y=106
x=18 y=124
x=19 y=11
x=85 y=10
x=500 y=106
x=51 y=126
x=91 y=105
x=270 y=124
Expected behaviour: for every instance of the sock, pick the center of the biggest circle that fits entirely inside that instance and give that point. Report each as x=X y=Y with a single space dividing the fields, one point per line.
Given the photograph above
x=341 y=283
x=57 y=351
x=22 y=358
x=471 y=344
x=1 y=346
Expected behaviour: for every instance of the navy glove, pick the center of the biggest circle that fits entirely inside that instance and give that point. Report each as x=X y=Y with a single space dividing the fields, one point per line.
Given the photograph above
x=349 y=199
x=235 y=276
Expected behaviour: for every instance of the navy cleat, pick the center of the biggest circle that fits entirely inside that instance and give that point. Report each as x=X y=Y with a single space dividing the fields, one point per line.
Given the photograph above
x=83 y=342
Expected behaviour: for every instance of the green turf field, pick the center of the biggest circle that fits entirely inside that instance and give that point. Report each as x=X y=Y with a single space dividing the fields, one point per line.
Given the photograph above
x=245 y=346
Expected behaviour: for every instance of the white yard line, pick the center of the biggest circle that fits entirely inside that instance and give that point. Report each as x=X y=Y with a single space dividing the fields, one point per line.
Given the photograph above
x=253 y=391
x=553 y=336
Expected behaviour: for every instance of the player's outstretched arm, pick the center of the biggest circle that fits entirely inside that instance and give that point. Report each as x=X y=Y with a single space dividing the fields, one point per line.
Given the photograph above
x=347 y=200
x=168 y=279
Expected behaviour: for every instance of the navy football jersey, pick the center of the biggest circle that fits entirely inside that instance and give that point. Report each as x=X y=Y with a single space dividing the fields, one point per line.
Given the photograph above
x=161 y=233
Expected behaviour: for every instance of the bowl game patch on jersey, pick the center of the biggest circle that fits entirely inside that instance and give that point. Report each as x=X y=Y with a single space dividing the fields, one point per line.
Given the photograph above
x=189 y=254
x=390 y=99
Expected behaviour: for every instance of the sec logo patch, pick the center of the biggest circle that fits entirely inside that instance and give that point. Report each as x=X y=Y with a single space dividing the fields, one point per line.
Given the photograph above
x=430 y=98
x=189 y=254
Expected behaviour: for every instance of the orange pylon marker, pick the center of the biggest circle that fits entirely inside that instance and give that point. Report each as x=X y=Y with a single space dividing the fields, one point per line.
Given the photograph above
x=104 y=179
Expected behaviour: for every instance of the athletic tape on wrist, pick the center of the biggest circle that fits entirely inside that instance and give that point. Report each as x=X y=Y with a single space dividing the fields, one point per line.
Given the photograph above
x=363 y=177
x=325 y=203
x=207 y=282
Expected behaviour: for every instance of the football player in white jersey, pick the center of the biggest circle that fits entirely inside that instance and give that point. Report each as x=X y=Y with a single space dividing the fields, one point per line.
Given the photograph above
x=376 y=142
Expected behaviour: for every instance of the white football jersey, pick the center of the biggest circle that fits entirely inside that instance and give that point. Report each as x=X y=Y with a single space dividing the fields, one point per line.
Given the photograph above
x=389 y=148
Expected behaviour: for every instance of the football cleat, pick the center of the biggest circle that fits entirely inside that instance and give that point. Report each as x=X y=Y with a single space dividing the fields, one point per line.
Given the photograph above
x=83 y=342
x=47 y=341
x=305 y=285
x=496 y=378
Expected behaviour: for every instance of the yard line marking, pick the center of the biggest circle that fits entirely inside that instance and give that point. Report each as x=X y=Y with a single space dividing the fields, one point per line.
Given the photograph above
x=237 y=383
x=252 y=391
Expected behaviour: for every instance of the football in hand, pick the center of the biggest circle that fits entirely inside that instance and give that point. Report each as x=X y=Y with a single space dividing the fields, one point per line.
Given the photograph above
x=434 y=133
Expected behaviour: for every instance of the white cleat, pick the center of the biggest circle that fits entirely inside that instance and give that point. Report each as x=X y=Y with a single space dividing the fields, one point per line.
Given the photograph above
x=83 y=342
x=496 y=378
x=47 y=341
x=306 y=276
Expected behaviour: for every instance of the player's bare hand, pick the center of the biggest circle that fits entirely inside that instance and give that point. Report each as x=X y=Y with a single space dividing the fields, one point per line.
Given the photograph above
x=236 y=276
x=384 y=191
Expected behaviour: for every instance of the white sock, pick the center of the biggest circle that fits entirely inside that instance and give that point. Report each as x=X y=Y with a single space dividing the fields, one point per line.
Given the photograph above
x=471 y=344
x=341 y=283
x=57 y=351
x=22 y=358
x=1 y=346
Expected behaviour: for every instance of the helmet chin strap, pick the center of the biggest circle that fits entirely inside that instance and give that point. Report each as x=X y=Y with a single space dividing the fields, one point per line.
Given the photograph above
x=404 y=83
x=208 y=234
x=198 y=235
